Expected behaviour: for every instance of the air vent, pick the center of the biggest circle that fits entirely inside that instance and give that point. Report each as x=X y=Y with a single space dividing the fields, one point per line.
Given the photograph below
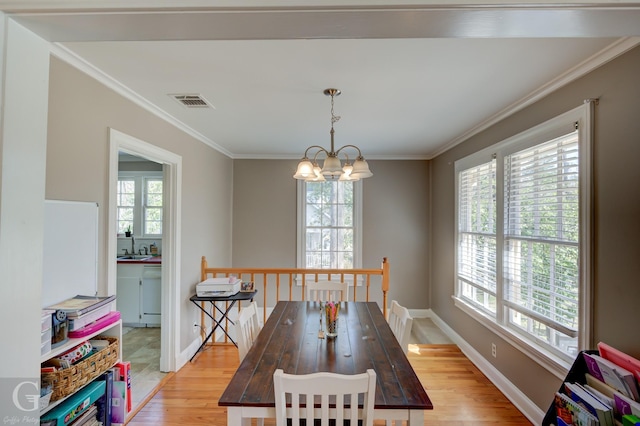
x=191 y=101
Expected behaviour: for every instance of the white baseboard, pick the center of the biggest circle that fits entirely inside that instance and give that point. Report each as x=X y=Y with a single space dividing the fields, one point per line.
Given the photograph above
x=530 y=410
x=186 y=355
x=420 y=313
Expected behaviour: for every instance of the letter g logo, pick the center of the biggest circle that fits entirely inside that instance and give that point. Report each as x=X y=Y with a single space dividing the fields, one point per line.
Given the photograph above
x=33 y=398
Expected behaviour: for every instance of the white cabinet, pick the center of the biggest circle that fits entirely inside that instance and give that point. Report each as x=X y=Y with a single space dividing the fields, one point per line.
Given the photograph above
x=150 y=295
x=139 y=294
x=128 y=299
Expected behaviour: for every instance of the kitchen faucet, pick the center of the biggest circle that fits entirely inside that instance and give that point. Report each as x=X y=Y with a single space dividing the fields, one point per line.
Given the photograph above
x=133 y=241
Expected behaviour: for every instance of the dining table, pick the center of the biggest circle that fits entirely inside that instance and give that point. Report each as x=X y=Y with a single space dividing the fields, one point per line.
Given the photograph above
x=291 y=340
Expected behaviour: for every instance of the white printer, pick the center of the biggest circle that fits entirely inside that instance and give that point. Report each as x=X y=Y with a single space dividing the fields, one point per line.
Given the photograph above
x=218 y=287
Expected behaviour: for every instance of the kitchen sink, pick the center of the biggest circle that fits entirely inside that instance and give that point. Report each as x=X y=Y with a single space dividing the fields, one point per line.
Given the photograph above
x=135 y=257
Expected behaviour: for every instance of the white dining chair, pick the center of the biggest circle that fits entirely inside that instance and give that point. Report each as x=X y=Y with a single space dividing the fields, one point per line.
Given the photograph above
x=247 y=328
x=324 y=291
x=400 y=322
x=257 y=321
x=330 y=393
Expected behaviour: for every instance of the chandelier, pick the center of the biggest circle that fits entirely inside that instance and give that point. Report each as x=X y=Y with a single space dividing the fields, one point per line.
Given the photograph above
x=332 y=168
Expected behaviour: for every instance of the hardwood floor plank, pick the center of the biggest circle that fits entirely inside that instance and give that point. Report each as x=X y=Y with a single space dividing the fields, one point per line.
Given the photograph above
x=460 y=393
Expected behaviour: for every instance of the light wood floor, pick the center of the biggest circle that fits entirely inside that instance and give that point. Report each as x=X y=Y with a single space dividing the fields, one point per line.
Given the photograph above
x=141 y=347
x=460 y=393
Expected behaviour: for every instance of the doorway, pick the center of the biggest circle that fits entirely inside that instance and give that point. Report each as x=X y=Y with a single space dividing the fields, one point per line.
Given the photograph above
x=139 y=300
x=169 y=292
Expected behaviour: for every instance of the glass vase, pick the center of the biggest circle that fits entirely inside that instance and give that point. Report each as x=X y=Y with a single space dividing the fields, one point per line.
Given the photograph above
x=331 y=311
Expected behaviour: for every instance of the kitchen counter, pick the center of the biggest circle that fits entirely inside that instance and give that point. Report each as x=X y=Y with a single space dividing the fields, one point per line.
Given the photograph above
x=151 y=260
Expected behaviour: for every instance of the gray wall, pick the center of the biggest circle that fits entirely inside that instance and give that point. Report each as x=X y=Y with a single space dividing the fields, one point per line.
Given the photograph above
x=617 y=226
x=80 y=112
x=395 y=206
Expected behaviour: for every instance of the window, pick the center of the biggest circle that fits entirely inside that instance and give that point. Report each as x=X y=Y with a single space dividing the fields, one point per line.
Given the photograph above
x=126 y=197
x=329 y=221
x=522 y=221
x=140 y=203
x=152 y=206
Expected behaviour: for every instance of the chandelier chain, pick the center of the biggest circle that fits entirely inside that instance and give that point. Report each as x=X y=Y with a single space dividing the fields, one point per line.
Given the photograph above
x=334 y=117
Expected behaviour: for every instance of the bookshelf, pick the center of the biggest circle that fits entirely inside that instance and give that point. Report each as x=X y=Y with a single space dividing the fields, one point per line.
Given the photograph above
x=64 y=277
x=111 y=330
x=576 y=374
x=601 y=388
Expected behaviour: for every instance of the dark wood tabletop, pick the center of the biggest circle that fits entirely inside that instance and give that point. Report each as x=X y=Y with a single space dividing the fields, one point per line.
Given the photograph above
x=289 y=340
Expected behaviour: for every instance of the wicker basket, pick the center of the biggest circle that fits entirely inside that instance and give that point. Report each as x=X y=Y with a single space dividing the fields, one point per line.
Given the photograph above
x=67 y=381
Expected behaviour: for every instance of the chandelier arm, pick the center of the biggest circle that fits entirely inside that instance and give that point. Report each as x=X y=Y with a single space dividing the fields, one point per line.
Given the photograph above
x=350 y=146
x=316 y=154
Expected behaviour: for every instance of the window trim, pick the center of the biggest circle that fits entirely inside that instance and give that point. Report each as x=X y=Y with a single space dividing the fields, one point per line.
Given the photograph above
x=357 y=226
x=583 y=116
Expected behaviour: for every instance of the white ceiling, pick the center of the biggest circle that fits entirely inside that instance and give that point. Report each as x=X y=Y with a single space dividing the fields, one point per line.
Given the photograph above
x=414 y=81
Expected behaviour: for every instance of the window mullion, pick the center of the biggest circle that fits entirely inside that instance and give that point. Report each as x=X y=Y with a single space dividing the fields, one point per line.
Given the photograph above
x=138 y=209
x=500 y=203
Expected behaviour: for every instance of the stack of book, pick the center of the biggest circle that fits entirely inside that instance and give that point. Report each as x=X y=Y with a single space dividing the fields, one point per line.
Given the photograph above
x=609 y=395
x=83 y=311
x=121 y=403
x=103 y=402
x=79 y=409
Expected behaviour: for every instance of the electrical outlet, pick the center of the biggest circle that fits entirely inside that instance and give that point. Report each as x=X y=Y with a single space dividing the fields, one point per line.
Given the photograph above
x=493 y=349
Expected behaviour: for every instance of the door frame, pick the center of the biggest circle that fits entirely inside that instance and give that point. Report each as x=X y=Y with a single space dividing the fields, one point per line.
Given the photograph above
x=172 y=188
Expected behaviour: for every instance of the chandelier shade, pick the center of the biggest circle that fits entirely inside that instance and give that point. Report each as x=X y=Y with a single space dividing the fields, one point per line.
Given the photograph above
x=305 y=169
x=333 y=167
x=361 y=169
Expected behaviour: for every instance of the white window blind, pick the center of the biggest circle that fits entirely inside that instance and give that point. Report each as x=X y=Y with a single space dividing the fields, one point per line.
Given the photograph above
x=523 y=237
x=541 y=262
x=477 y=235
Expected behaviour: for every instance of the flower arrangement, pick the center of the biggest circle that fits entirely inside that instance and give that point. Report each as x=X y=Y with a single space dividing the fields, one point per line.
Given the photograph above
x=331 y=310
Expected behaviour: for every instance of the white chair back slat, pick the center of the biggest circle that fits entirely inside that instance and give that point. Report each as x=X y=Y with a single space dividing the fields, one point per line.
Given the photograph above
x=324 y=396
x=400 y=322
x=324 y=291
x=247 y=328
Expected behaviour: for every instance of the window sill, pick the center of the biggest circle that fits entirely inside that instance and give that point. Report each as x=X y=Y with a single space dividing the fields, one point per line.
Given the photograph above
x=550 y=362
